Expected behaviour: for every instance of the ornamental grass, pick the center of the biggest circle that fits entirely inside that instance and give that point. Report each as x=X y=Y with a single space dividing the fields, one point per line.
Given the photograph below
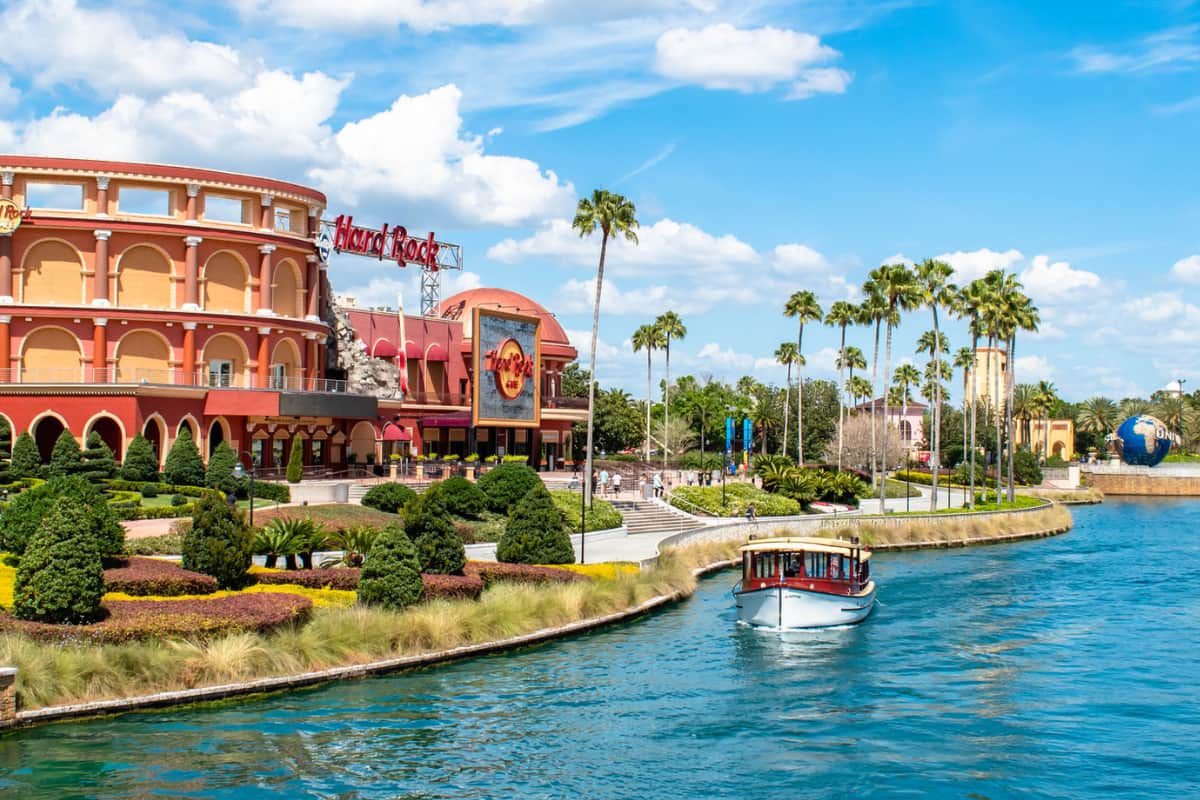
x=73 y=671
x=952 y=529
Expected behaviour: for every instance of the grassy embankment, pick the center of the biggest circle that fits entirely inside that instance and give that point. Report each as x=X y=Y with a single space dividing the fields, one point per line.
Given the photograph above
x=909 y=529
x=52 y=674
x=1081 y=496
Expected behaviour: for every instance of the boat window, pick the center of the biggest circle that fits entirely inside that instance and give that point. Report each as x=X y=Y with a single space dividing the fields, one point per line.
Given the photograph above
x=764 y=565
x=791 y=565
x=815 y=565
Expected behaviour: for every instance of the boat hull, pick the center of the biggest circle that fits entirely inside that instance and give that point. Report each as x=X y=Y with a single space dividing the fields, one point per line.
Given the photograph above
x=788 y=607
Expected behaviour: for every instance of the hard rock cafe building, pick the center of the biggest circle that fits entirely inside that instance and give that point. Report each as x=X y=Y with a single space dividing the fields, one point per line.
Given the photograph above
x=138 y=298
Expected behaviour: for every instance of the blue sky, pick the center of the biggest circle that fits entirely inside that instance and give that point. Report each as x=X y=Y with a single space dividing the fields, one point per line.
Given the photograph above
x=769 y=147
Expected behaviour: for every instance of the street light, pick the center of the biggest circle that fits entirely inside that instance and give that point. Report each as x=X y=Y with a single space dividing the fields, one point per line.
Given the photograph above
x=1180 y=382
x=239 y=473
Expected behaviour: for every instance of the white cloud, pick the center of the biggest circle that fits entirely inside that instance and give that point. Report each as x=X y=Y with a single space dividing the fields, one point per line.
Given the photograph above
x=606 y=353
x=1157 y=307
x=1172 y=49
x=748 y=60
x=899 y=258
x=1187 y=269
x=720 y=357
x=57 y=42
x=976 y=263
x=1048 y=281
x=1031 y=369
x=791 y=259
x=383 y=290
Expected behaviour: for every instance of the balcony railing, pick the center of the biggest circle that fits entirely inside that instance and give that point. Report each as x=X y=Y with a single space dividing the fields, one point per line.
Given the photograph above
x=438 y=398
x=164 y=377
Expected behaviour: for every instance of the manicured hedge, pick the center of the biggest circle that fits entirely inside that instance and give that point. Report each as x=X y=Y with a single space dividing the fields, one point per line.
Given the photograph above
x=600 y=517
x=451 y=587
x=738 y=497
x=493 y=572
x=129 y=620
x=154 y=576
x=388 y=497
x=345 y=578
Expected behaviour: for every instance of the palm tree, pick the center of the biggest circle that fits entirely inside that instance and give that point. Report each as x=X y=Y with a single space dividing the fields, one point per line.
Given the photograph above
x=969 y=304
x=1024 y=317
x=859 y=388
x=1097 y=415
x=900 y=291
x=614 y=215
x=786 y=354
x=1047 y=399
x=671 y=327
x=934 y=279
x=906 y=377
x=871 y=312
x=842 y=314
x=1024 y=408
x=964 y=359
x=648 y=338
x=803 y=306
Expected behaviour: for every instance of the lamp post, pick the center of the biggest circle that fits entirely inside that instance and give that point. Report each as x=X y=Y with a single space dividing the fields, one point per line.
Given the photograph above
x=239 y=473
x=1180 y=382
x=583 y=521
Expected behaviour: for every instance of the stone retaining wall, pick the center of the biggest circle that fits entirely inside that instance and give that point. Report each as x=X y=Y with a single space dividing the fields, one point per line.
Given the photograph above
x=1146 y=484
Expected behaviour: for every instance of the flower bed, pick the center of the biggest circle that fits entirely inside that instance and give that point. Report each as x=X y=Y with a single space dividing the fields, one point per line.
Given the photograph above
x=491 y=572
x=437 y=587
x=153 y=576
x=129 y=620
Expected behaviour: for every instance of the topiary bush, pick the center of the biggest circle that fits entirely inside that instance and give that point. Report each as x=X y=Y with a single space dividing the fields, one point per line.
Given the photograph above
x=60 y=578
x=65 y=458
x=26 y=460
x=98 y=463
x=505 y=485
x=295 y=465
x=219 y=543
x=1025 y=468
x=391 y=575
x=535 y=532
x=150 y=491
x=463 y=498
x=183 y=465
x=389 y=497
x=24 y=514
x=428 y=525
x=179 y=500
x=6 y=444
x=140 y=463
x=219 y=474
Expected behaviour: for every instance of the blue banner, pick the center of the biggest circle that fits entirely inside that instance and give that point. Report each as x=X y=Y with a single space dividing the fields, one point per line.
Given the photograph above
x=728 y=434
x=747 y=435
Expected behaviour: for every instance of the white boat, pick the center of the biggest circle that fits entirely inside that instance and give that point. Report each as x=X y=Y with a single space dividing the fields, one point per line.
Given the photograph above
x=804 y=583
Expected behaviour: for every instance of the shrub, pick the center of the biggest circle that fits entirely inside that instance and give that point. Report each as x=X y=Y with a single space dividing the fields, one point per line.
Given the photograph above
x=154 y=576
x=25 y=512
x=295 y=465
x=5 y=451
x=219 y=474
x=505 y=485
x=278 y=492
x=962 y=475
x=98 y=464
x=354 y=542
x=65 y=458
x=738 y=497
x=1056 y=461
x=343 y=578
x=140 y=463
x=26 y=460
x=179 y=500
x=149 y=491
x=492 y=573
x=601 y=516
x=166 y=544
x=463 y=498
x=535 y=533
x=389 y=497
x=130 y=620
x=219 y=543
x=428 y=525
x=451 y=587
x=60 y=579
x=183 y=465
x=391 y=575
x=952 y=456
x=1025 y=468
x=283 y=536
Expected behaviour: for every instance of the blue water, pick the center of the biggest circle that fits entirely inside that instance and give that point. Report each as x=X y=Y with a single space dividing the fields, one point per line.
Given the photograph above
x=1057 y=668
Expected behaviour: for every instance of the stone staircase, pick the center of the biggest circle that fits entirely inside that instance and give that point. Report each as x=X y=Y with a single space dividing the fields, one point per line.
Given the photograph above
x=645 y=516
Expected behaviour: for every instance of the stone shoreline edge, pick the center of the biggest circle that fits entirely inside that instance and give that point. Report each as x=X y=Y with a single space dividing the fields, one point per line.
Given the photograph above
x=185 y=697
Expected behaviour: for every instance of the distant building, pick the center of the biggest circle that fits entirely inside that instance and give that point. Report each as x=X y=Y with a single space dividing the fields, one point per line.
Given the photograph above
x=991 y=372
x=909 y=420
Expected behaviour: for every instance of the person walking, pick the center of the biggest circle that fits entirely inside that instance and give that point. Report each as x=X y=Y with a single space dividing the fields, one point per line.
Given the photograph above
x=603 y=482
x=751 y=516
x=658 y=484
x=616 y=484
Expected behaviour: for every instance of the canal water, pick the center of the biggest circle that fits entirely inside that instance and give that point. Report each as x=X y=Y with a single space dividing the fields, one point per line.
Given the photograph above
x=1058 y=668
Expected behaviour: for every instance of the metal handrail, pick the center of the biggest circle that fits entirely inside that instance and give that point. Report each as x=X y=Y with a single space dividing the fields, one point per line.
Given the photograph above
x=164 y=377
x=672 y=498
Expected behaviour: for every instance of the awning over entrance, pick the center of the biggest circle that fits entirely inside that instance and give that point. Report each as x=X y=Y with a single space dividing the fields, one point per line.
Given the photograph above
x=394 y=433
x=384 y=349
x=436 y=353
x=236 y=403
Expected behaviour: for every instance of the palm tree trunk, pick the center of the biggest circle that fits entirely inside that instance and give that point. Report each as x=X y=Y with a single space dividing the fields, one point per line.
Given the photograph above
x=874 y=384
x=787 y=396
x=649 y=398
x=841 y=395
x=667 y=405
x=1046 y=432
x=999 y=420
x=935 y=458
x=591 y=416
x=887 y=371
x=974 y=407
x=1009 y=389
x=800 y=397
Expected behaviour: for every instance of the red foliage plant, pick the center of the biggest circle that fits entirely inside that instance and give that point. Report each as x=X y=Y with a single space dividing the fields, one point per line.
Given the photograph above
x=154 y=576
x=129 y=620
x=451 y=587
x=491 y=573
x=345 y=578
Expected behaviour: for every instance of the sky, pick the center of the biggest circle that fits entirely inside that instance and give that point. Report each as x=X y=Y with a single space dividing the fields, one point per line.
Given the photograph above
x=768 y=146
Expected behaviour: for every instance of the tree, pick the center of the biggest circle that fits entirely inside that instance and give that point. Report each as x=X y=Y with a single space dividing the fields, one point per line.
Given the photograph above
x=65 y=458
x=803 y=306
x=648 y=338
x=5 y=451
x=295 y=465
x=219 y=543
x=1097 y=415
x=28 y=509
x=970 y=303
x=856 y=442
x=463 y=498
x=60 y=578
x=505 y=485
x=786 y=354
x=842 y=314
x=183 y=465
x=899 y=290
x=618 y=424
x=1022 y=315
x=98 y=463
x=871 y=311
x=859 y=388
x=670 y=326
x=390 y=497
x=140 y=464
x=574 y=381
x=26 y=460
x=219 y=474
x=427 y=523
x=964 y=359
x=391 y=574
x=1046 y=398
x=820 y=414
x=535 y=533
x=933 y=279
x=905 y=377
x=614 y=215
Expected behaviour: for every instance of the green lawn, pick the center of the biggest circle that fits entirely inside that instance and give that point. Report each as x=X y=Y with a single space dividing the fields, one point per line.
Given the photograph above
x=336 y=516
x=1021 y=501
